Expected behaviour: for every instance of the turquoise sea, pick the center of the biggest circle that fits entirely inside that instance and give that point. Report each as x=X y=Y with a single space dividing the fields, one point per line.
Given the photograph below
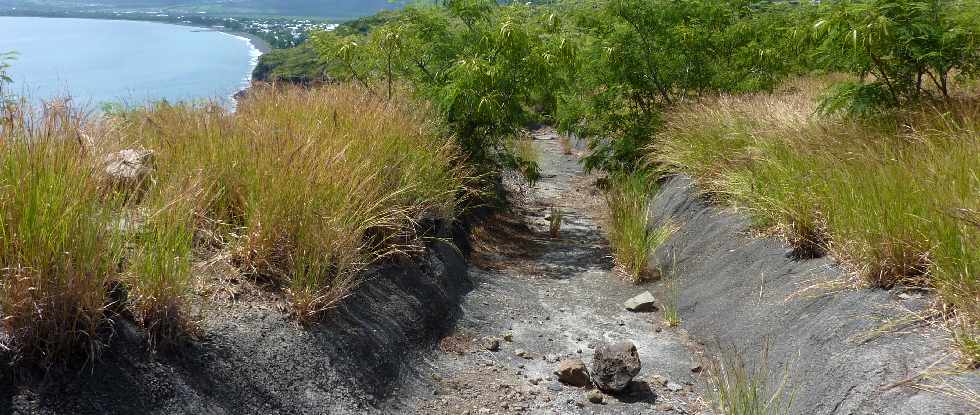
x=129 y=62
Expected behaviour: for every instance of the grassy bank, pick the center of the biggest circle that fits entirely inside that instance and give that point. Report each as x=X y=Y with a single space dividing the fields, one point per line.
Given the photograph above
x=302 y=188
x=897 y=196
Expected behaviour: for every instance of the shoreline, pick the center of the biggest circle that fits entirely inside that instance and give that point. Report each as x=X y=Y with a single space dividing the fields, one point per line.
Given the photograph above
x=254 y=41
x=257 y=42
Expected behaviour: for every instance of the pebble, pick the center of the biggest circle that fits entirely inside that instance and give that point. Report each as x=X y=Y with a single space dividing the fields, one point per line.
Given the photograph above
x=491 y=344
x=595 y=396
x=673 y=387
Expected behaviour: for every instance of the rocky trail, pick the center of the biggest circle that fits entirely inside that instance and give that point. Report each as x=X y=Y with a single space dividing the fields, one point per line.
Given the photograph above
x=540 y=302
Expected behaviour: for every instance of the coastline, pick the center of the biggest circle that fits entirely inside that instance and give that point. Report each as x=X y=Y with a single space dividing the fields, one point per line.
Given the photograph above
x=258 y=43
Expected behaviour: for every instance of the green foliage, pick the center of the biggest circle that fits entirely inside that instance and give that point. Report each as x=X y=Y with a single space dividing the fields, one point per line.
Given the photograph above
x=605 y=69
x=299 y=65
x=641 y=56
x=484 y=66
x=902 y=50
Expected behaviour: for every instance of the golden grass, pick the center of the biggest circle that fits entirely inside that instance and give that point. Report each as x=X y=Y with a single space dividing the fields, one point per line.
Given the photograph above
x=896 y=197
x=304 y=187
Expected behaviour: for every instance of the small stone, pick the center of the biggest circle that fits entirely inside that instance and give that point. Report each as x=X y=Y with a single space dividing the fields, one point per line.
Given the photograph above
x=573 y=372
x=673 y=386
x=522 y=353
x=552 y=358
x=696 y=369
x=491 y=344
x=508 y=337
x=534 y=381
x=614 y=365
x=660 y=380
x=641 y=303
x=595 y=396
x=664 y=407
x=554 y=387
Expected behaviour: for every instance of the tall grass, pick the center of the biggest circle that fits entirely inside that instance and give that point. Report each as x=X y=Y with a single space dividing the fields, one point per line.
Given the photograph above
x=631 y=235
x=318 y=183
x=304 y=188
x=57 y=251
x=897 y=197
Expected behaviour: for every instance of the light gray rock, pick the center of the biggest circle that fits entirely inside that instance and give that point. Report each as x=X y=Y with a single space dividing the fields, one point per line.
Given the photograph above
x=641 y=303
x=128 y=171
x=614 y=365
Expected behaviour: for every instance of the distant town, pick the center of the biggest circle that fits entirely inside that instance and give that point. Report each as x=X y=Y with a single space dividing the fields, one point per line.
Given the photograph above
x=278 y=32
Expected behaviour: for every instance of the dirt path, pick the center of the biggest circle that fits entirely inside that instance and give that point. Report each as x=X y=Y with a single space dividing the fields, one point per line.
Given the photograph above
x=557 y=299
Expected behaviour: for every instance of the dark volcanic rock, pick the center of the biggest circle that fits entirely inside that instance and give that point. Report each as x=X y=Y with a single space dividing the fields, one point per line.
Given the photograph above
x=615 y=365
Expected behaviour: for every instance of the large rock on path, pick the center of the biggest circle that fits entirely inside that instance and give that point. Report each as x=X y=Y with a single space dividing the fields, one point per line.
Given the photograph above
x=573 y=372
x=615 y=365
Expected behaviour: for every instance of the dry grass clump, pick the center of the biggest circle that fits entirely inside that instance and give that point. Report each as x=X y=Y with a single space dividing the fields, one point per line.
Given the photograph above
x=305 y=187
x=897 y=197
x=631 y=235
x=737 y=389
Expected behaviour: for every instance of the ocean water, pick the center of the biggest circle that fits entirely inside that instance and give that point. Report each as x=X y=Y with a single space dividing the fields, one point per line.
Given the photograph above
x=128 y=62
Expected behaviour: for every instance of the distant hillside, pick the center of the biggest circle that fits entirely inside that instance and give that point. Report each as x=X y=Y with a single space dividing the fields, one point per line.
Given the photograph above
x=334 y=9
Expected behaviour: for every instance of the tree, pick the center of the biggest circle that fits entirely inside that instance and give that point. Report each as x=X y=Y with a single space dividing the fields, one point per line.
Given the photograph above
x=903 y=50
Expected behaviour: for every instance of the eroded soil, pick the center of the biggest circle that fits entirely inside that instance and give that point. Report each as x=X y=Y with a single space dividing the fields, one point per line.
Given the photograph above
x=554 y=298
